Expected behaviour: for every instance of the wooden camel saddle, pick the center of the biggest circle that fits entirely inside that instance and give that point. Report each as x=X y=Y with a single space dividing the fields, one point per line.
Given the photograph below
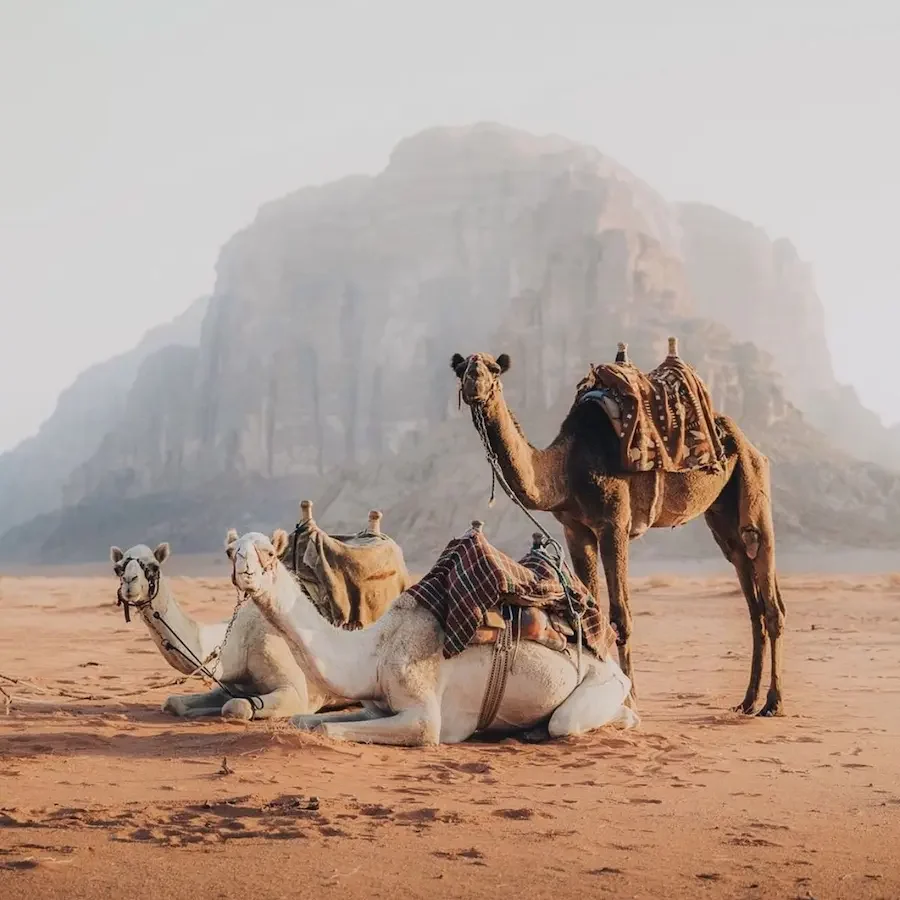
x=481 y=596
x=664 y=419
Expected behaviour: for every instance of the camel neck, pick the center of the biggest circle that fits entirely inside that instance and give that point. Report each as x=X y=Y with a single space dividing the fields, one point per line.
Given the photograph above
x=536 y=476
x=341 y=662
x=200 y=639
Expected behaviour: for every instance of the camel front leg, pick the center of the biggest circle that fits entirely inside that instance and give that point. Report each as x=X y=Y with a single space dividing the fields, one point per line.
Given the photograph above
x=415 y=727
x=278 y=704
x=614 y=553
x=194 y=705
x=312 y=722
x=582 y=544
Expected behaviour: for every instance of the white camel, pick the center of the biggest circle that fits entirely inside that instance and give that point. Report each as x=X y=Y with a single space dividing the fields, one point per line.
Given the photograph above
x=262 y=676
x=411 y=695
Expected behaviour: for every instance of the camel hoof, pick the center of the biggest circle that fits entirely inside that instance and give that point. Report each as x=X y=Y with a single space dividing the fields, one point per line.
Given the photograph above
x=744 y=709
x=772 y=709
x=238 y=709
x=173 y=706
x=627 y=718
x=539 y=735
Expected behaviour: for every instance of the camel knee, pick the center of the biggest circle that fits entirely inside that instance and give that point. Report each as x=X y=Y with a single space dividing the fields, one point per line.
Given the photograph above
x=774 y=623
x=621 y=622
x=750 y=537
x=426 y=732
x=238 y=709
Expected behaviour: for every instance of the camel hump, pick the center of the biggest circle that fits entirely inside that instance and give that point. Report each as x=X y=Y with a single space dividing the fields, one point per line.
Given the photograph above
x=375 y=521
x=306 y=510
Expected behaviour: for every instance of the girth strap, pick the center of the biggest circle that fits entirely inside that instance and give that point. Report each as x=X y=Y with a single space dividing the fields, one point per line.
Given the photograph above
x=501 y=663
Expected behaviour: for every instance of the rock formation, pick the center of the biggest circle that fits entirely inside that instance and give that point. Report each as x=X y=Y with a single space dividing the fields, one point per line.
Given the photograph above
x=321 y=367
x=33 y=475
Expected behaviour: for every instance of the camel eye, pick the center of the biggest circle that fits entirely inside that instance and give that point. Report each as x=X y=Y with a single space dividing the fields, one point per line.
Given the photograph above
x=119 y=569
x=493 y=368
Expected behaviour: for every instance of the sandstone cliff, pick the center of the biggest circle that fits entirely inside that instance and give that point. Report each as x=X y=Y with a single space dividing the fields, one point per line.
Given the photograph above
x=322 y=364
x=33 y=474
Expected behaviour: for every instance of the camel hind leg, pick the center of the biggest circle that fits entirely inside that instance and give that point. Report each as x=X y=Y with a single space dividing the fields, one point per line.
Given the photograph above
x=757 y=532
x=748 y=507
x=722 y=522
x=597 y=701
x=417 y=726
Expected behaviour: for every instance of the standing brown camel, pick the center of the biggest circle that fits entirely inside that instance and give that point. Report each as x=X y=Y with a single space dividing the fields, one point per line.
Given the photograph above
x=578 y=479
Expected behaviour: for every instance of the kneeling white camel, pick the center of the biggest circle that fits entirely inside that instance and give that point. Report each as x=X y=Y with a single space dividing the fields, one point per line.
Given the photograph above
x=411 y=694
x=262 y=678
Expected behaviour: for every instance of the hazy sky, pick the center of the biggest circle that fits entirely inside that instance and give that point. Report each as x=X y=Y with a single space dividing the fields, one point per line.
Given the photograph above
x=136 y=137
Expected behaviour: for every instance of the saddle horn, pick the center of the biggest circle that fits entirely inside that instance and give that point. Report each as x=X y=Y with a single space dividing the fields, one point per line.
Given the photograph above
x=306 y=510
x=374 y=521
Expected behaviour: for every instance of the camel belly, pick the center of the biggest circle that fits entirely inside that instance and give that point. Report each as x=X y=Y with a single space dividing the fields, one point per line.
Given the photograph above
x=682 y=496
x=538 y=683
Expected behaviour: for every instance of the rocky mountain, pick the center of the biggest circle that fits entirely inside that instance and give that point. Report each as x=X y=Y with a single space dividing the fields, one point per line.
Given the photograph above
x=33 y=474
x=764 y=293
x=322 y=363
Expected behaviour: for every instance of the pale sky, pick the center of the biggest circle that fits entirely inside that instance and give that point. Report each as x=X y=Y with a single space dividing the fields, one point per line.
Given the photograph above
x=138 y=136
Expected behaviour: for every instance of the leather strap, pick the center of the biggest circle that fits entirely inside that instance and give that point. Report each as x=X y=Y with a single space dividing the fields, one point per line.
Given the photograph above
x=496 y=684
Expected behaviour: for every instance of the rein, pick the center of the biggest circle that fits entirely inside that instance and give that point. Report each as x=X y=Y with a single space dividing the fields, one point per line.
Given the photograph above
x=152 y=574
x=549 y=543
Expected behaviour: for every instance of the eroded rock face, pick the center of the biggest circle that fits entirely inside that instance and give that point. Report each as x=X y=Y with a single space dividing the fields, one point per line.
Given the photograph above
x=335 y=312
x=322 y=365
x=33 y=475
x=761 y=290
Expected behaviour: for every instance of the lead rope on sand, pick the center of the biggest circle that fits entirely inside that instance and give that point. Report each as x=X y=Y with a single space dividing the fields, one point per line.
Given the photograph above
x=201 y=669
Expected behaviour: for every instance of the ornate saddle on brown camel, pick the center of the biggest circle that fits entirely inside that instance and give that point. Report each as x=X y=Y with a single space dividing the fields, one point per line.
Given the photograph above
x=664 y=419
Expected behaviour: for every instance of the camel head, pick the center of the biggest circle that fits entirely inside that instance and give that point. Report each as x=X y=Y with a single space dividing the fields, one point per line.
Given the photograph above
x=138 y=571
x=479 y=375
x=254 y=559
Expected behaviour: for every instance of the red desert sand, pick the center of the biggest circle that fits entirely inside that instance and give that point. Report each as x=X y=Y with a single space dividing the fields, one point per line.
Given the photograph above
x=105 y=797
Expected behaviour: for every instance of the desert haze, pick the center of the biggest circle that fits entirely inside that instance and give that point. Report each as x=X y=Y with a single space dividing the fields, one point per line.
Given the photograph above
x=106 y=797
x=318 y=366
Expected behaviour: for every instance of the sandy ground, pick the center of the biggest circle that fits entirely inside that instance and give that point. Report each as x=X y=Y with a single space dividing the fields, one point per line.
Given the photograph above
x=110 y=798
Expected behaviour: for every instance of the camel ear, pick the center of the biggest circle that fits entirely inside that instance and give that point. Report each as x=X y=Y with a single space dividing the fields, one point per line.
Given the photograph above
x=115 y=555
x=162 y=552
x=230 y=538
x=504 y=362
x=279 y=541
x=457 y=361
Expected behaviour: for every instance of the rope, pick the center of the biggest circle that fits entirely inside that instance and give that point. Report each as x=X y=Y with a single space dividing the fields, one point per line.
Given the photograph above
x=189 y=655
x=72 y=695
x=201 y=666
x=549 y=541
